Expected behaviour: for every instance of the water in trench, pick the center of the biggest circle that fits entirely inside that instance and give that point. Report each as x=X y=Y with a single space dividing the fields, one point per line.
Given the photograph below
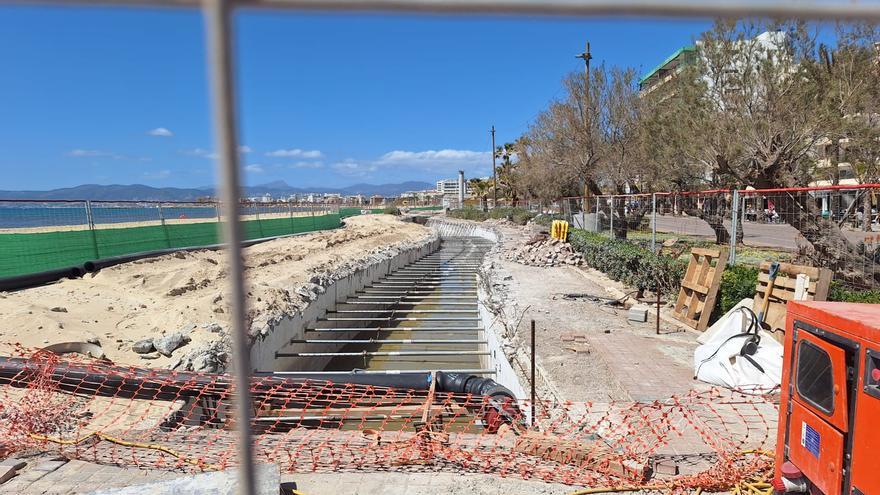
x=423 y=316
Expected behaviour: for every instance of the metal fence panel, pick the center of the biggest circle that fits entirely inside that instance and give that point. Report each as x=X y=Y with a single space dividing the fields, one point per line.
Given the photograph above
x=38 y=236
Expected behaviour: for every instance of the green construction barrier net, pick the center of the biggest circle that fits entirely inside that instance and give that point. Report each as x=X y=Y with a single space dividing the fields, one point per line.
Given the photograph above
x=23 y=253
x=350 y=212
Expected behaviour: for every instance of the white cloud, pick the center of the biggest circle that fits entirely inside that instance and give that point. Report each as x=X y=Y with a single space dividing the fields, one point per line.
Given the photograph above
x=92 y=153
x=84 y=153
x=295 y=152
x=304 y=164
x=254 y=168
x=159 y=174
x=201 y=152
x=161 y=132
x=352 y=168
x=434 y=159
x=211 y=155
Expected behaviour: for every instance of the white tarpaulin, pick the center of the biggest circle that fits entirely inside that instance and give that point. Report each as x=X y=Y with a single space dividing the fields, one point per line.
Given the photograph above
x=718 y=361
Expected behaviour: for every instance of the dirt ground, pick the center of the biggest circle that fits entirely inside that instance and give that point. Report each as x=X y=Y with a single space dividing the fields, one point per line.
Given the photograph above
x=594 y=366
x=45 y=475
x=187 y=291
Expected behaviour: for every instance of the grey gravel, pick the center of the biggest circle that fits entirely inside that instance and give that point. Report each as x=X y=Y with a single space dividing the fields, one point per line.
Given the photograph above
x=214 y=327
x=168 y=344
x=143 y=346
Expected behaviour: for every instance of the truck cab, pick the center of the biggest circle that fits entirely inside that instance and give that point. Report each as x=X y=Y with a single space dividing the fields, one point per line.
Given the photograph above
x=829 y=409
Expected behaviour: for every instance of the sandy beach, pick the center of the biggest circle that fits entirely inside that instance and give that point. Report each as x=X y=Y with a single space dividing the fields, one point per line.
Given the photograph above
x=186 y=291
x=171 y=219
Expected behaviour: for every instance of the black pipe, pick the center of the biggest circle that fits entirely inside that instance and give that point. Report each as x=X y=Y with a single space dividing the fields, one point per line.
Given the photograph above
x=167 y=385
x=134 y=383
x=34 y=279
x=447 y=382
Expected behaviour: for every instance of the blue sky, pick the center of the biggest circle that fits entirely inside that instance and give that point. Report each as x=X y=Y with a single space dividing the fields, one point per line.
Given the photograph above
x=119 y=96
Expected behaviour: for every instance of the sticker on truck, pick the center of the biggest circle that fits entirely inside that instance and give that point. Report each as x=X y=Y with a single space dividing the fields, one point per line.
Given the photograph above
x=810 y=439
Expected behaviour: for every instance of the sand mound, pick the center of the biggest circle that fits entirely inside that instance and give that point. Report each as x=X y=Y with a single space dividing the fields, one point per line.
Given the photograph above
x=186 y=292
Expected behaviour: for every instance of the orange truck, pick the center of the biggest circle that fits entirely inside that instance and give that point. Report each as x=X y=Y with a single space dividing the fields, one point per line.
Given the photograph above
x=829 y=411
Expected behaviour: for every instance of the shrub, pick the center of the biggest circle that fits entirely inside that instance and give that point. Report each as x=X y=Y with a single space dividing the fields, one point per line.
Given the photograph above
x=546 y=219
x=640 y=268
x=519 y=216
x=628 y=263
x=468 y=214
x=839 y=292
x=391 y=210
x=737 y=283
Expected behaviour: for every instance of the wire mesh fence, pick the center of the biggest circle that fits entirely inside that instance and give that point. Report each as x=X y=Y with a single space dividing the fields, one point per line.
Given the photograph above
x=38 y=236
x=832 y=227
x=95 y=411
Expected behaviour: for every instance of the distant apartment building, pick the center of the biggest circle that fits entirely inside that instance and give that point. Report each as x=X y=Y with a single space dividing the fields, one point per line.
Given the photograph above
x=767 y=44
x=450 y=186
x=668 y=69
x=428 y=196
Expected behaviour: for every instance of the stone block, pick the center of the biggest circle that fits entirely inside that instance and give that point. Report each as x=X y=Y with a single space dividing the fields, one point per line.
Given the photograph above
x=214 y=483
x=638 y=313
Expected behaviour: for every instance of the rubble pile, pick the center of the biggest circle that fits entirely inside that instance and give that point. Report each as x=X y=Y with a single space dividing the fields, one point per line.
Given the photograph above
x=541 y=250
x=211 y=357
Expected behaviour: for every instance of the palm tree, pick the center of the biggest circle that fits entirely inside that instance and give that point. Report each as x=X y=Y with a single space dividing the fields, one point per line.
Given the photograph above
x=480 y=188
x=507 y=176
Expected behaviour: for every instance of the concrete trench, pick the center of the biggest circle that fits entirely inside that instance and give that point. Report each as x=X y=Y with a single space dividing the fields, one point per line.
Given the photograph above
x=417 y=312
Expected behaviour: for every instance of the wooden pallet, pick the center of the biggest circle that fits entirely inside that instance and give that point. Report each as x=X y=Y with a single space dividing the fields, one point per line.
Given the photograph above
x=784 y=291
x=699 y=287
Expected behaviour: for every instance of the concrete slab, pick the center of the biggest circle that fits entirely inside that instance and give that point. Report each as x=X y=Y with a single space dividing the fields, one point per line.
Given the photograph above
x=216 y=483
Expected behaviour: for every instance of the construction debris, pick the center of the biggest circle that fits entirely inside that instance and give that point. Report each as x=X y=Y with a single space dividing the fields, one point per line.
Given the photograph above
x=545 y=252
x=699 y=287
x=638 y=313
x=610 y=301
x=794 y=282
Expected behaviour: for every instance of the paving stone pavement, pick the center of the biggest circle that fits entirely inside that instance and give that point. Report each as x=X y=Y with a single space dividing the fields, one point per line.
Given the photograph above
x=56 y=477
x=79 y=477
x=645 y=365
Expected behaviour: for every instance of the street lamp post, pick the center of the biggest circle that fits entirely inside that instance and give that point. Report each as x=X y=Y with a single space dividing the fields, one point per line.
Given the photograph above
x=494 y=173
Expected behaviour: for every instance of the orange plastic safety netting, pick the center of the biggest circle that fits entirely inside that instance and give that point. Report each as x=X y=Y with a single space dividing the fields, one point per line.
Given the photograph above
x=162 y=419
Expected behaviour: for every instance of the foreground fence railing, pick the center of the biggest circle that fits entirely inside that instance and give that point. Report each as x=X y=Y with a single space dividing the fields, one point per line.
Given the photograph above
x=38 y=236
x=833 y=227
x=164 y=419
x=219 y=15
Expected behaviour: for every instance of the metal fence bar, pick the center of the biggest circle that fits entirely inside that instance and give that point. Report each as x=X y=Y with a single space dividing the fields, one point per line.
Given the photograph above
x=845 y=11
x=654 y=222
x=611 y=216
x=91 y=219
x=164 y=226
x=734 y=221
x=218 y=19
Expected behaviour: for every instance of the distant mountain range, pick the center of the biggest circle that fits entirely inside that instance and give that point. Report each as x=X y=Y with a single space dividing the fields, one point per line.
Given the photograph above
x=140 y=192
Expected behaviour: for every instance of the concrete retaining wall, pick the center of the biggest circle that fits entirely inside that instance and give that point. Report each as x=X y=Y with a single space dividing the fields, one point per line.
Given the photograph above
x=277 y=336
x=446 y=227
x=504 y=373
x=497 y=359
